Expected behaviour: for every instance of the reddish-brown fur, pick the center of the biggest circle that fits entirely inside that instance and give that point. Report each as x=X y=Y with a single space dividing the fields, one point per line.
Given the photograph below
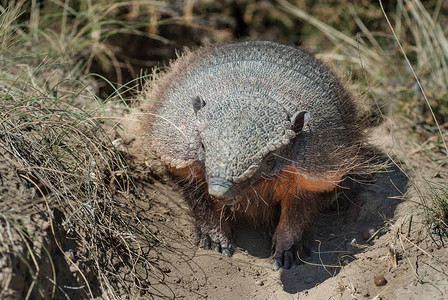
x=290 y=189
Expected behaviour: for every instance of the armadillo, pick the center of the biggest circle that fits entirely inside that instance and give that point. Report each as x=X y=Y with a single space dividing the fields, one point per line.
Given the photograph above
x=254 y=129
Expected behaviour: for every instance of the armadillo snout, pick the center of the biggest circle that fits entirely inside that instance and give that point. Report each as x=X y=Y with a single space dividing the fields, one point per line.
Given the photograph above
x=222 y=190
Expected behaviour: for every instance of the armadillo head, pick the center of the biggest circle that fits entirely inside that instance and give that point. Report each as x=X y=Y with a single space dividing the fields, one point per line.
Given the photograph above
x=241 y=139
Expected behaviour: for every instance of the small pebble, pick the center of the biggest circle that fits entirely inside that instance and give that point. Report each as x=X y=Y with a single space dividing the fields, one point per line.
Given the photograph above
x=380 y=281
x=259 y=282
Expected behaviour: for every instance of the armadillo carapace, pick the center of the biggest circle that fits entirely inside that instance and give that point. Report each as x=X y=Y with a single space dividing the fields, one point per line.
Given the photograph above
x=254 y=128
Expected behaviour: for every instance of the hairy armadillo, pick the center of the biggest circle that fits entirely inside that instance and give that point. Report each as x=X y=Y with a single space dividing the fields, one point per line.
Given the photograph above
x=254 y=128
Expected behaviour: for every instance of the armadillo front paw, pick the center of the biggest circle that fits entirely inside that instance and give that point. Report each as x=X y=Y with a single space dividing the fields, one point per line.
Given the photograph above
x=283 y=259
x=287 y=250
x=214 y=239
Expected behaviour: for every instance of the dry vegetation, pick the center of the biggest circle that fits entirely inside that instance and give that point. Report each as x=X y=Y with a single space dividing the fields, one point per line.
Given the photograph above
x=69 y=222
x=72 y=214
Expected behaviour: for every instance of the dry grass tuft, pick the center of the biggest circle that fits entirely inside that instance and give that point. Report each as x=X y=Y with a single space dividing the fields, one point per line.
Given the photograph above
x=71 y=208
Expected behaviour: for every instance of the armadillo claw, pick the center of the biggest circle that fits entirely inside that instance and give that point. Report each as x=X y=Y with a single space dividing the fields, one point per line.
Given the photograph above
x=276 y=265
x=284 y=260
x=198 y=237
x=227 y=252
x=215 y=247
x=218 y=242
x=289 y=247
x=206 y=243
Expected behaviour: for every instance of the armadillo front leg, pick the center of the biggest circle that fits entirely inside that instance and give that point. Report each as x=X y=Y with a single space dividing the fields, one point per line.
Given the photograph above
x=212 y=229
x=297 y=212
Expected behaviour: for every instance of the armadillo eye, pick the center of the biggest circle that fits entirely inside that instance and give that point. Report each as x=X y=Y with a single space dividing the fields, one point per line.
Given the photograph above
x=270 y=159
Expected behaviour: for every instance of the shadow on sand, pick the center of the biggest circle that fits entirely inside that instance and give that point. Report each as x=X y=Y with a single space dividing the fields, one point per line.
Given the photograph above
x=352 y=216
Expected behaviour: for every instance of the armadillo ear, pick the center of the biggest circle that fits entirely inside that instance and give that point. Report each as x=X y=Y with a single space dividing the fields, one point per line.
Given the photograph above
x=299 y=120
x=198 y=103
